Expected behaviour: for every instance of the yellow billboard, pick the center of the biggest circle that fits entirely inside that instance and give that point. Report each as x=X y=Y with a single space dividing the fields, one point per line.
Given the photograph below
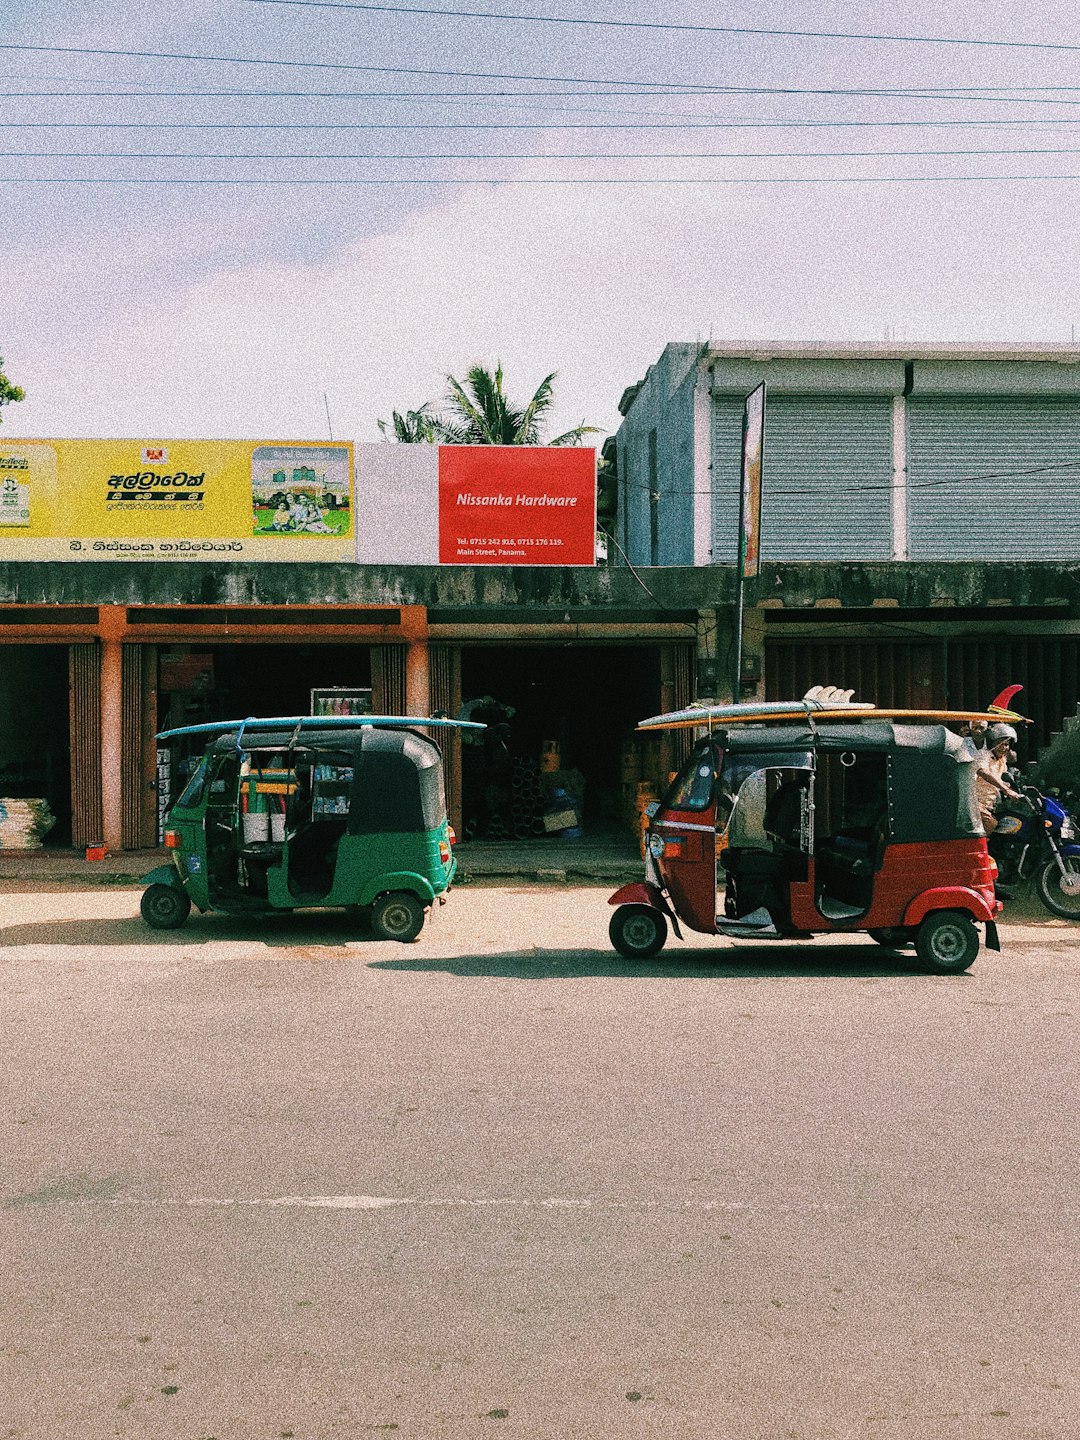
x=176 y=500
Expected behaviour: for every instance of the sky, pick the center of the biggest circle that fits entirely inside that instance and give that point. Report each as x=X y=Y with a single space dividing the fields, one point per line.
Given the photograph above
x=153 y=304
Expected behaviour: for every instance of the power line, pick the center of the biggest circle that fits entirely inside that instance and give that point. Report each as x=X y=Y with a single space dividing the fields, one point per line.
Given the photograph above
x=689 y=86
x=515 y=125
x=966 y=95
x=521 y=154
x=673 y=25
x=524 y=182
x=825 y=491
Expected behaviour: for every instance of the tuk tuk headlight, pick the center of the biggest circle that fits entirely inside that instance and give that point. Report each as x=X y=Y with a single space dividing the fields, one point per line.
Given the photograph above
x=656 y=845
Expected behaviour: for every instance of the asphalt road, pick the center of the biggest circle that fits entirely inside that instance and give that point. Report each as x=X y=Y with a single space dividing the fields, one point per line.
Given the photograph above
x=277 y=1181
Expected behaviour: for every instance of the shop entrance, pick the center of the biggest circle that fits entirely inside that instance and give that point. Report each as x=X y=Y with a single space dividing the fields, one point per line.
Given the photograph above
x=552 y=759
x=35 y=744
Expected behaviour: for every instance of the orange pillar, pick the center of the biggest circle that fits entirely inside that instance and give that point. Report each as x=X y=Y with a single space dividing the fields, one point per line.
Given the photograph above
x=112 y=623
x=417 y=666
x=417 y=678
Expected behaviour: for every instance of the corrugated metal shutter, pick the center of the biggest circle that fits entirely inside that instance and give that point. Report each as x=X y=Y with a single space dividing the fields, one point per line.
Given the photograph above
x=445 y=686
x=967 y=496
x=902 y=674
x=726 y=476
x=962 y=674
x=388 y=679
x=84 y=698
x=827 y=487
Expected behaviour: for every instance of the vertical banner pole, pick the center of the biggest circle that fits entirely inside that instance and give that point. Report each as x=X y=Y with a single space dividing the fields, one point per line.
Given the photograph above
x=753 y=448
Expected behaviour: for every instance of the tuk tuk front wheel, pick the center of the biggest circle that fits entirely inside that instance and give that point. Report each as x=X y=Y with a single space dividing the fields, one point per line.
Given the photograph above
x=637 y=931
x=397 y=916
x=164 y=907
x=947 y=942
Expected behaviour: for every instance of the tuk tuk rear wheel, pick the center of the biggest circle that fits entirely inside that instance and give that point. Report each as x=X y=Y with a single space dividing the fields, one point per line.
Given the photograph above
x=947 y=942
x=397 y=916
x=637 y=931
x=164 y=907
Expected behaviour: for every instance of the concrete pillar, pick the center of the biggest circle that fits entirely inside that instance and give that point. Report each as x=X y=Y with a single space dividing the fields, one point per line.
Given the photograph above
x=753 y=658
x=112 y=621
x=417 y=678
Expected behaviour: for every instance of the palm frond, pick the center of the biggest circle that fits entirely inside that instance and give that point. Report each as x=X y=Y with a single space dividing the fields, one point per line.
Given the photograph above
x=573 y=437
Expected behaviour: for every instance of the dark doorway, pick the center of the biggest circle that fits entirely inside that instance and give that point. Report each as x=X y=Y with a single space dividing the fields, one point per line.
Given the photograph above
x=573 y=707
x=35 y=740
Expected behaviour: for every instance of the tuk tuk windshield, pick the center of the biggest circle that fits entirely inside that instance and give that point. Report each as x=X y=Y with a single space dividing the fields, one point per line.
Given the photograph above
x=192 y=793
x=692 y=788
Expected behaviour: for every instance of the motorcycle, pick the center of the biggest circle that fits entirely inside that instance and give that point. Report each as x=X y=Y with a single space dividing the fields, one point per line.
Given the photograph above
x=1036 y=839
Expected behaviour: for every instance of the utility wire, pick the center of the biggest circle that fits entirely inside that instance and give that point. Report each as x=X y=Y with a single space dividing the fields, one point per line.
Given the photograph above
x=673 y=25
x=969 y=95
x=519 y=125
x=612 y=180
x=825 y=491
x=692 y=86
x=519 y=154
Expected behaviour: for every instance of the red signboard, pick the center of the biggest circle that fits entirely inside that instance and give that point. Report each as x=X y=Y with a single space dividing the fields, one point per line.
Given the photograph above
x=516 y=505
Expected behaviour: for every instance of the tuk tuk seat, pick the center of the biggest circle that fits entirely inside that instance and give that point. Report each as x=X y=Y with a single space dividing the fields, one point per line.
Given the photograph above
x=856 y=853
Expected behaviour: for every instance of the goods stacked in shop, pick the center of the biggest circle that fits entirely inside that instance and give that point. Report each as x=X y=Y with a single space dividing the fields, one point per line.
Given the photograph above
x=642 y=782
x=24 y=823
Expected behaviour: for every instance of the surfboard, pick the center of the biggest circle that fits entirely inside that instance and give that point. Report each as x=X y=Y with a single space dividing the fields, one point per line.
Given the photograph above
x=781 y=711
x=320 y=722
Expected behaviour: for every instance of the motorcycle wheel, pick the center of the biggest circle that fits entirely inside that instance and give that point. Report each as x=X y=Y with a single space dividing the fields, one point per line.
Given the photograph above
x=1049 y=882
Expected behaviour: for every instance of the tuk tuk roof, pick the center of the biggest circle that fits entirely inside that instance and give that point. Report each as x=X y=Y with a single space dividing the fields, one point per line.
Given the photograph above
x=291 y=723
x=868 y=736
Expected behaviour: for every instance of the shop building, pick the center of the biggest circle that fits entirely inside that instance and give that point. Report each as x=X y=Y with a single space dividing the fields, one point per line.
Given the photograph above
x=918 y=544
x=919 y=528
x=146 y=584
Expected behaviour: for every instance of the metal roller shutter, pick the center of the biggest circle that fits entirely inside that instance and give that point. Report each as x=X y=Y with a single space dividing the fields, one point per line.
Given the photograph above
x=84 y=694
x=827 y=488
x=968 y=495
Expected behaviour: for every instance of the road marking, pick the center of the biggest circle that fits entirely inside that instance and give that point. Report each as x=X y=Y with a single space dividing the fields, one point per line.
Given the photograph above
x=385 y=1202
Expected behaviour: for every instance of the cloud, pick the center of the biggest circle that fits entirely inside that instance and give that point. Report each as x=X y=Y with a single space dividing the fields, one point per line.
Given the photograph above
x=589 y=281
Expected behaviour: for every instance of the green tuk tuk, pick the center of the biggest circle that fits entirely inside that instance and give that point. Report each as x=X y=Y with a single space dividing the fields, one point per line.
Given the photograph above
x=290 y=813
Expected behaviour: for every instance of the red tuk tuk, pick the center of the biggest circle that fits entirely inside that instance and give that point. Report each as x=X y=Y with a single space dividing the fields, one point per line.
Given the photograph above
x=805 y=818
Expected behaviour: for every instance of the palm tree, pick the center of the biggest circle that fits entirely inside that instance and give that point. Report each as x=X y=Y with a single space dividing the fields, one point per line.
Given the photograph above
x=415 y=427
x=481 y=413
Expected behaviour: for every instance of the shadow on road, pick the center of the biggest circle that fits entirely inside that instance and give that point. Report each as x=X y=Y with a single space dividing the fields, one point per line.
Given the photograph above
x=785 y=961
x=334 y=929
x=329 y=927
